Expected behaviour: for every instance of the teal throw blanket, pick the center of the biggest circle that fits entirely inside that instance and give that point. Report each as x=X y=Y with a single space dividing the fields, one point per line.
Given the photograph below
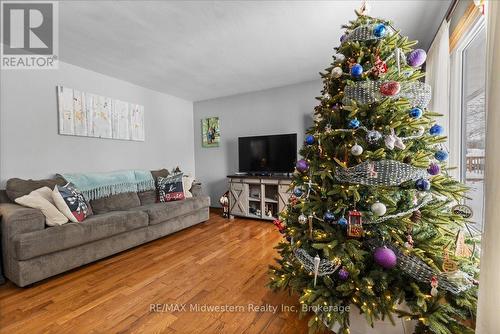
x=98 y=185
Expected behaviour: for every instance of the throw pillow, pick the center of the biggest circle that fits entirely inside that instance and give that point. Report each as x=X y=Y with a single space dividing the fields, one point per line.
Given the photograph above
x=41 y=199
x=170 y=188
x=71 y=202
x=187 y=183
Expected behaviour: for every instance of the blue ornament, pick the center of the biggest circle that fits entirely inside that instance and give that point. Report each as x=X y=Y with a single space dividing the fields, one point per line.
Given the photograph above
x=354 y=124
x=328 y=217
x=436 y=130
x=423 y=184
x=380 y=30
x=416 y=113
x=342 y=221
x=309 y=139
x=356 y=70
x=298 y=192
x=441 y=155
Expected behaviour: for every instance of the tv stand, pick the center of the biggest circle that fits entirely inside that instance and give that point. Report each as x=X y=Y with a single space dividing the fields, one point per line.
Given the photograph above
x=255 y=196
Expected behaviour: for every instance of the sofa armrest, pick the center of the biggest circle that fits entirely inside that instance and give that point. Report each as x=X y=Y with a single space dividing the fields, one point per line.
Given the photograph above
x=196 y=189
x=17 y=219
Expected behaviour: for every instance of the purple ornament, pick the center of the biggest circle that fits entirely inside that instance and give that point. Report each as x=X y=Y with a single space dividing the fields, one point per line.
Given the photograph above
x=433 y=169
x=343 y=274
x=385 y=257
x=416 y=58
x=343 y=38
x=302 y=165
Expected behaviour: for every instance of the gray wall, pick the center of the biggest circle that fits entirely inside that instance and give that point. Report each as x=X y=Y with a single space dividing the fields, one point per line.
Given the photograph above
x=30 y=146
x=274 y=111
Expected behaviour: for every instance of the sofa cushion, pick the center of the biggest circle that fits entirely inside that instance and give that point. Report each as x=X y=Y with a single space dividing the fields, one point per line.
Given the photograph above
x=148 y=197
x=42 y=199
x=116 y=202
x=160 y=212
x=170 y=188
x=18 y=187
x=33 y=244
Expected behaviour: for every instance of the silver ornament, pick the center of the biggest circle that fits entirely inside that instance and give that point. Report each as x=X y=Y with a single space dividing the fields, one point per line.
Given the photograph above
x=373 y=136
x=378 y=209
x=337 y=72
x=339 y=57
x=302 y=219
x=356 y=150
x=327 y=96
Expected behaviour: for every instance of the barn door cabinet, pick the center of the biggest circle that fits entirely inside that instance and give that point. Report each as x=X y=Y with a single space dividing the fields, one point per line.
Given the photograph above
x=261 y=197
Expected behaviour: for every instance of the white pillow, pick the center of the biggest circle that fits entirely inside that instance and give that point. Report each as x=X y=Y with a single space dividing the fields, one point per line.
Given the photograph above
x=187 y=183
x=42 y=199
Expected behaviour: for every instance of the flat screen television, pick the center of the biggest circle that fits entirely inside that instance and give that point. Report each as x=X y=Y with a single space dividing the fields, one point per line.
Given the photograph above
x=267 y=154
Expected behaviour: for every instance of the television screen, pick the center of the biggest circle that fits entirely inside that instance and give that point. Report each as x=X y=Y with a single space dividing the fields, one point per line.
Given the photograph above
x=268 y=154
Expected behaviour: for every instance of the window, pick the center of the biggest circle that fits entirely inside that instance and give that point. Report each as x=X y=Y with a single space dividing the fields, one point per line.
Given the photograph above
x=474 y=122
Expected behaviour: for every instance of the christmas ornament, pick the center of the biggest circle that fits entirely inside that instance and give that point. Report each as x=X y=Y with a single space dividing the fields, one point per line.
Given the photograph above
x=354 y=124
x=342 y=221
x=343 y=274
x=317 y=261
x=343 y=38
x=302 y=219
x=449 y=265
x=436 y=130
x=339 y=57
x=356 y=150
x=392 y=140
x=298 y=192
x=328 y=128
x=325 y=267
x=327 y=96
x=416 y=113
x=380 y=67
x=462 y=210
x=355 y=224
x=373 y=136
x=329 y=217
x=378 y=209
x=302 y=165
x=441 y=155
x=337 y=72
x=433 y=169
x=434 y=285
x=409 y=242
x=416 y=216
x=293 y=200
x=390 y=88
x=309 y=139
x=423 y=184
x=279 y=224
x=416 y=58
x=379 y=30
x=385 y=257
x=356 y=70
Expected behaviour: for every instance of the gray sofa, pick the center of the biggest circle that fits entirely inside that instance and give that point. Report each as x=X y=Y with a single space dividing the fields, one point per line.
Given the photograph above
x=33 y=252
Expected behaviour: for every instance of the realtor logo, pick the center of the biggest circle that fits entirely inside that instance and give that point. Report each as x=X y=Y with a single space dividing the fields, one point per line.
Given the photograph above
x=29 y=35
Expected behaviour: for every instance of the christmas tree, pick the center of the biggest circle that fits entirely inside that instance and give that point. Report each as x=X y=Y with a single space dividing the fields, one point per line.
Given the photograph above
x=373 y=221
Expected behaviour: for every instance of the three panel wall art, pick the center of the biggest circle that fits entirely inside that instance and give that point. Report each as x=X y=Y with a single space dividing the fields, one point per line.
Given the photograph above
x=91 y=115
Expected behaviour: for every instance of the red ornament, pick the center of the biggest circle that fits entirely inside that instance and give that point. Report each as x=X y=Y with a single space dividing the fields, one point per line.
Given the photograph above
x=380 y=67
x=390 y=88
x=279 y=224
x=355 y=224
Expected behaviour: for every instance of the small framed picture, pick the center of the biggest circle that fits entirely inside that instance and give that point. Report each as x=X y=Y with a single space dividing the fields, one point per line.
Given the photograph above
x=210 y=132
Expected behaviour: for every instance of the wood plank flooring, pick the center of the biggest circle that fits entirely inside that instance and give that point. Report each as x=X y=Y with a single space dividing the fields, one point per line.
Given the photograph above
x=220 y=262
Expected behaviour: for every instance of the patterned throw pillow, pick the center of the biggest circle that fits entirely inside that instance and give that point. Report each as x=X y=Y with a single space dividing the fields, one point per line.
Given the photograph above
x=170 y=188
x=71 y=202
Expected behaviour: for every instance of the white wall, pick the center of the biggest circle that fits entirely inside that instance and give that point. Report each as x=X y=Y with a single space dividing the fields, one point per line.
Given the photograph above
x=274 y=111
x=30 y=146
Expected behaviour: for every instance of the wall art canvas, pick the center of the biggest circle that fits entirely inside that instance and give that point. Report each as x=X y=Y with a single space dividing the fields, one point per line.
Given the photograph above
x=92 y=115
x=210 y=132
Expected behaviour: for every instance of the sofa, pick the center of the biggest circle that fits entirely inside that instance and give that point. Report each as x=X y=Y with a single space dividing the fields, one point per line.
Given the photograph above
x=31 y=251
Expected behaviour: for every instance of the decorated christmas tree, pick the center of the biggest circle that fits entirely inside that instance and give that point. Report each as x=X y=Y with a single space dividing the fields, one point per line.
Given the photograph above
x=374 y=221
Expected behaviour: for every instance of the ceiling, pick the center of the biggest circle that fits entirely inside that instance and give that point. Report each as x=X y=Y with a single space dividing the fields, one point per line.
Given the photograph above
x=200 y=50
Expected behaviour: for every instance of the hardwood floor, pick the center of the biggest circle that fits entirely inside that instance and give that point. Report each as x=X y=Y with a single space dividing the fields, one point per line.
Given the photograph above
x=220 y=262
